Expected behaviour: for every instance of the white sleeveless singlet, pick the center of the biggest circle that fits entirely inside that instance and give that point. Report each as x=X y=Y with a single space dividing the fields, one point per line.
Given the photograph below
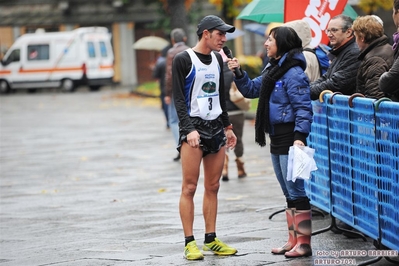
x=205 y=101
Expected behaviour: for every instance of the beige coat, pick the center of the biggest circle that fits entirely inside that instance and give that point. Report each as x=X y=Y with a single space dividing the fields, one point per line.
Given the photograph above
x=304 y=32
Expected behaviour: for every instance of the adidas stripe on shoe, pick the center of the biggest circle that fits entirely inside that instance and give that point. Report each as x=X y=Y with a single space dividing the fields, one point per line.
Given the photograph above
x=219 y=248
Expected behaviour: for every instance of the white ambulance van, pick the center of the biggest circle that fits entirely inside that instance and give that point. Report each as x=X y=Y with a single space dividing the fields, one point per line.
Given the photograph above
x=62 y=60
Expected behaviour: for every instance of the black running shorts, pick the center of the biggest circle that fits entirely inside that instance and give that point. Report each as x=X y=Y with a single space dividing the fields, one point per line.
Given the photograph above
x=212 y=136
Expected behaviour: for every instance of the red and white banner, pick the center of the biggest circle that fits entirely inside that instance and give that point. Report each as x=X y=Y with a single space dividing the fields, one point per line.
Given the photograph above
x=316 y=12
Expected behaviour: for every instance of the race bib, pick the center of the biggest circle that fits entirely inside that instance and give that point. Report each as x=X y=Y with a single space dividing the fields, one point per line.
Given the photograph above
x=209 y=106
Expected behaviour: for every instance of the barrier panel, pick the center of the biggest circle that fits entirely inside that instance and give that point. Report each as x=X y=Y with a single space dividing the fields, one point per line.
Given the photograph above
x=340 y=157
x=357 y=155
x=387 y=139
x=319 y=190
x=364 y=165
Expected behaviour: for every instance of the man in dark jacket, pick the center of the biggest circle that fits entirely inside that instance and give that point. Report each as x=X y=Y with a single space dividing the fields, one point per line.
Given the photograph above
x=389 y=80
x=178 y=39
x=159 y=73
x=341 y=75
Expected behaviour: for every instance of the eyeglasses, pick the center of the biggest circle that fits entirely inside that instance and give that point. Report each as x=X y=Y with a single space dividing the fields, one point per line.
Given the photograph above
x=333 y=30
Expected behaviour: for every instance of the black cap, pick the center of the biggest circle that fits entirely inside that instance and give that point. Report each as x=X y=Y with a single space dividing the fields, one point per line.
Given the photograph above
x=213 y=22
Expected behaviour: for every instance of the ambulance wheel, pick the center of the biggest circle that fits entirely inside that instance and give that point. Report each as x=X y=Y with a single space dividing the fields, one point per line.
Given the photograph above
x=67 y=85
x=4 y=88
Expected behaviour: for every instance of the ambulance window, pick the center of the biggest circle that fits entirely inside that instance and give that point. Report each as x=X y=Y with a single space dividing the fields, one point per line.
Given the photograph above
x=91 y=49
x=38 y=52
x=103 y=49
x=13 y=57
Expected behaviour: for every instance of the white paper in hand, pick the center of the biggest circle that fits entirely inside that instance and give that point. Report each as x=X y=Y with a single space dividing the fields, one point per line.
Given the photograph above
x=300 y=162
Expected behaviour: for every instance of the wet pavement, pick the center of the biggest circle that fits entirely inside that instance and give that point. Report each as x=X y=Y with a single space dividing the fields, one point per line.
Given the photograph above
x=88 y=179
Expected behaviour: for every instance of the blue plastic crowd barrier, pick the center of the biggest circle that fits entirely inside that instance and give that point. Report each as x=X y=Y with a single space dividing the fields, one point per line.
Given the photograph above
x=340 y=162
x=357 y=155
x=318 y=189
x=387 y=140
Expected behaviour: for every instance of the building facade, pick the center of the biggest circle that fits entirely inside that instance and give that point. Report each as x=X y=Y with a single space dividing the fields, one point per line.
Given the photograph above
x=126 y=20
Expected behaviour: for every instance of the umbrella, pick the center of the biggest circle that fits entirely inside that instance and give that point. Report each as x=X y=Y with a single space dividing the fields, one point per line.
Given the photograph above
x=263 y=11
x=350 y=12
x=150 y=43
x=237 y=33
x=266 y=11
x=262 y=29
x=256 y=28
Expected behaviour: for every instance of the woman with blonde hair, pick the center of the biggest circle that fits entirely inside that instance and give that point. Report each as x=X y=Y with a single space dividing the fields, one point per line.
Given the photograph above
x=389 y=80
x=376 y=55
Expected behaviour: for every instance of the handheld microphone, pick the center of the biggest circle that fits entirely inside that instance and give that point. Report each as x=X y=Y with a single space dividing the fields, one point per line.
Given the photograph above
x=227 y=52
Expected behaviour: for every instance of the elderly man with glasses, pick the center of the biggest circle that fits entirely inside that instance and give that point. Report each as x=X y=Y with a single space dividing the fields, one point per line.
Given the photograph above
x=341 y=75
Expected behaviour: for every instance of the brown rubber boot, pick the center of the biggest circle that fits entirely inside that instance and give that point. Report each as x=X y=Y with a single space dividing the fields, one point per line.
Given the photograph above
x=289 y=213
x=303 y=226
x=240 y=168
x=225 y=176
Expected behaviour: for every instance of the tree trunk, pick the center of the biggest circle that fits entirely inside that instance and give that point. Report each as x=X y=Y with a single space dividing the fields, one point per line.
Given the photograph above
x=178 y=14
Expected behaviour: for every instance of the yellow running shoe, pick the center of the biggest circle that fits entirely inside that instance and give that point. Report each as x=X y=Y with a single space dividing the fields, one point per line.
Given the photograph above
x=219 y=248
x=191 y=251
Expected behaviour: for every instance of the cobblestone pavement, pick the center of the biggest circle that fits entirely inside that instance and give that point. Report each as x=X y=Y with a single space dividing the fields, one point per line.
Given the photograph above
x=88 y=179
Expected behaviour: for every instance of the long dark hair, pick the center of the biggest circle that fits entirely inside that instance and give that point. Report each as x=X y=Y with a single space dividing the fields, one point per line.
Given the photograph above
x=396 y=5
x=287 y=40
